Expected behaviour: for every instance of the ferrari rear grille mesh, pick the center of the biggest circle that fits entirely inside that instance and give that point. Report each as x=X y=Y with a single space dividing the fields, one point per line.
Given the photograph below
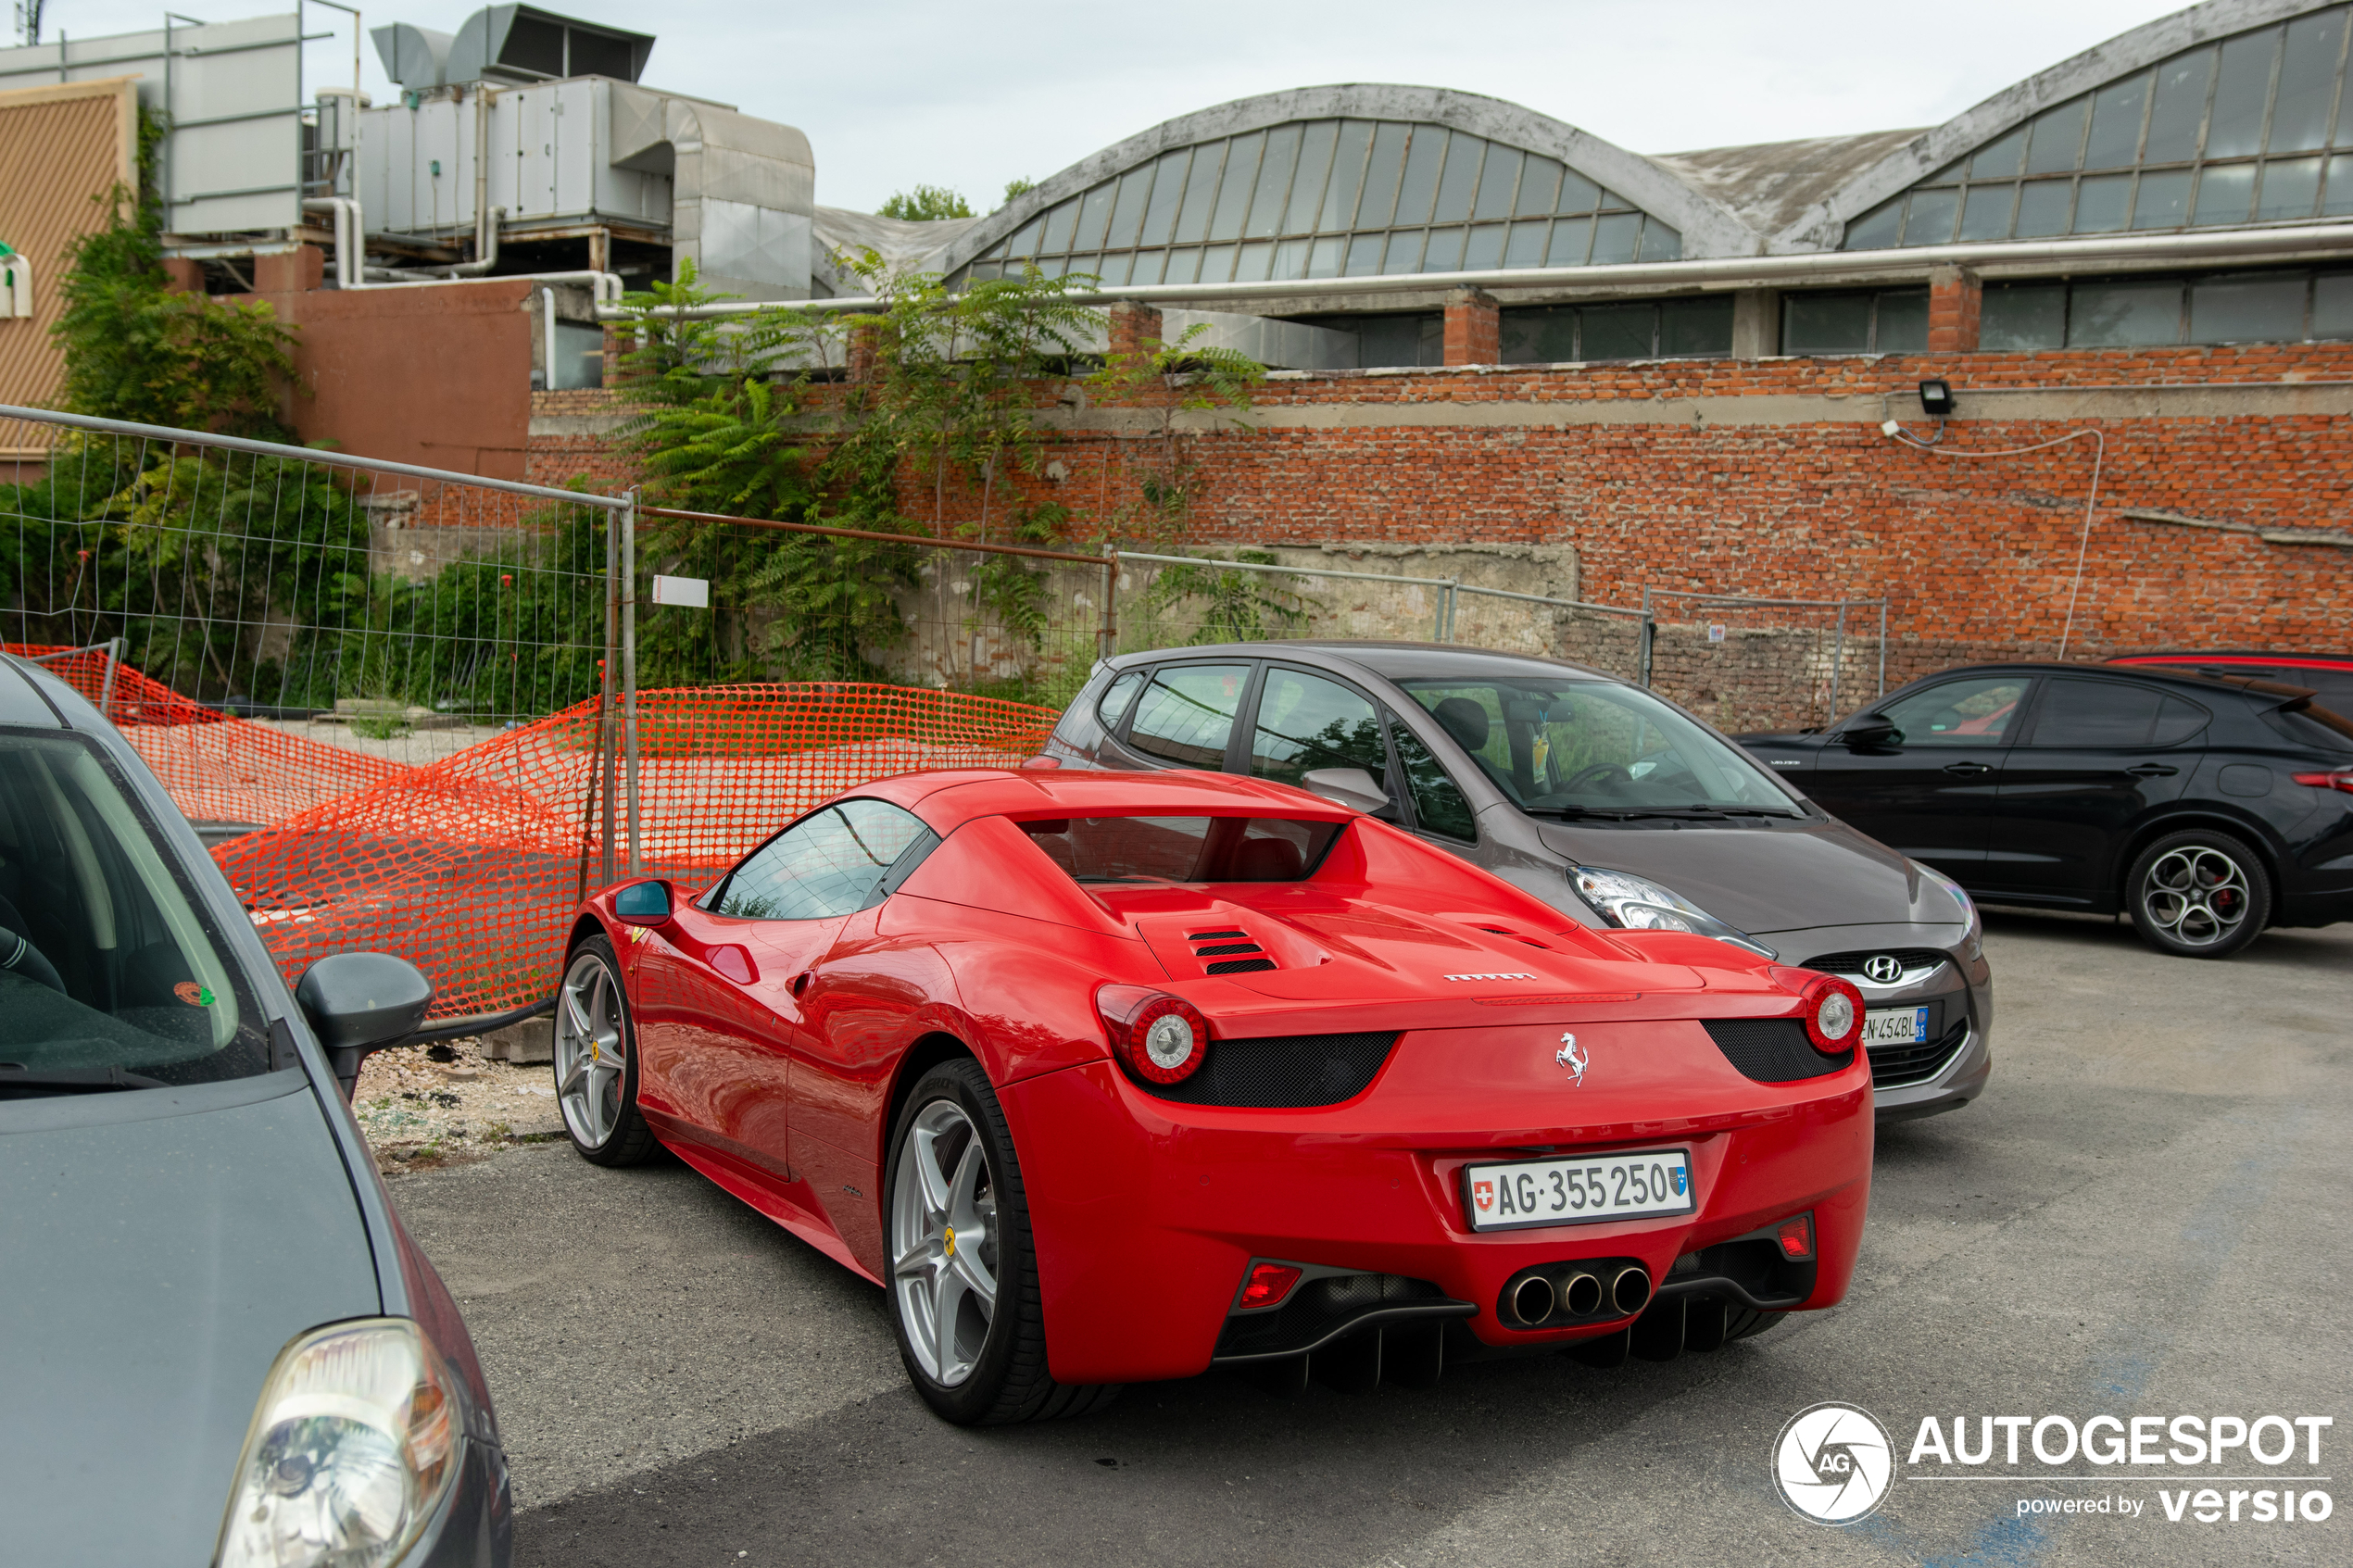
x=1771 y=1050
x=1239 y=966
x=1282 y=1071
x=1892 y=1067
x=1852 y=963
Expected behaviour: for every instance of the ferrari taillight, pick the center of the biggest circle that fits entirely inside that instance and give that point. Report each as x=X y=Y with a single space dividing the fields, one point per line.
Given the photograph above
x=2335 y=778
x=1161 y=1038
x=1834 y=1015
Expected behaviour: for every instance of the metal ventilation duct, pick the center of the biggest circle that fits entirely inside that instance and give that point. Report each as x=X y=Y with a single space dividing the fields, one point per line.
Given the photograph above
x=413 y=57
x=523 y=43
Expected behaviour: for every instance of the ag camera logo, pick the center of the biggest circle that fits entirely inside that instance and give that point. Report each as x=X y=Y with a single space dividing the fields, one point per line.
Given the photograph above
x=1833 y=1463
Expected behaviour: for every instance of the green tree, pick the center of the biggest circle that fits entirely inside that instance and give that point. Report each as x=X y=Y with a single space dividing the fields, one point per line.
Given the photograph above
x=926 y=204
x=135 y=350
x=1016 y=188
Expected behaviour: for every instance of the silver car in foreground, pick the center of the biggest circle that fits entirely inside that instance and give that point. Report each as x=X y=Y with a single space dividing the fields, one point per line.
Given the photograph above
x=1604 y=800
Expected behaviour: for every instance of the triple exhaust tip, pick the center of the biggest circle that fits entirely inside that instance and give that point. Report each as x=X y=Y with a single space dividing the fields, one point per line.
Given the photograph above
x=1534 y=1299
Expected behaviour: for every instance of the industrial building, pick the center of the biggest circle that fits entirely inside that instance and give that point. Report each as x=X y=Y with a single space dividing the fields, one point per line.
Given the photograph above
x=1487 y=325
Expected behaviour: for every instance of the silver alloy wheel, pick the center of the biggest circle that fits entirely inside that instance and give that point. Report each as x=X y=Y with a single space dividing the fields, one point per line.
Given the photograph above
x=591 y=1059
x=2195 y=894
x=943 y=1242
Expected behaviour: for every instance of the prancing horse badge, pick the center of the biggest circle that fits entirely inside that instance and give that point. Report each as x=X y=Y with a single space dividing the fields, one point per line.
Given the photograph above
x=1572 y=1057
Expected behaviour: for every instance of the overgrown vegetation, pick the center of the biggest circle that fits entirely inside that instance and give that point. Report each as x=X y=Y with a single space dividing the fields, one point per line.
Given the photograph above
x=940 y=434
x=926 y=204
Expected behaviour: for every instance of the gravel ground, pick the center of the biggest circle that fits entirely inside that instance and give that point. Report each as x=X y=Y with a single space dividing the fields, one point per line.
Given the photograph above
x=420 y=1111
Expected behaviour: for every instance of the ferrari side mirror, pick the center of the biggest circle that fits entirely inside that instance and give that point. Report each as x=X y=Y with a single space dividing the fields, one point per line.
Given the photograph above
x=642 y=903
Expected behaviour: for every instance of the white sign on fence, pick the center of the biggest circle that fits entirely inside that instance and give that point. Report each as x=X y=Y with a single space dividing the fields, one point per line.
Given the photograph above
x=1716 y=634
x=691 y=592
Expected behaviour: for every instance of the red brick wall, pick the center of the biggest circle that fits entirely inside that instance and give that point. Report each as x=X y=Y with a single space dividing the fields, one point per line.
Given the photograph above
x=1976 y=554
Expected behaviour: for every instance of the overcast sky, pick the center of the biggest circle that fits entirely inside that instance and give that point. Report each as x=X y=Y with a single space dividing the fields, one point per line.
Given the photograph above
x=972 y=95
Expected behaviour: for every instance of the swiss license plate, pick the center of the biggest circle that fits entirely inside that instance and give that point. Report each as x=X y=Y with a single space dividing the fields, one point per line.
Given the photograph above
x=1573 y=1192
x=1894 y=1026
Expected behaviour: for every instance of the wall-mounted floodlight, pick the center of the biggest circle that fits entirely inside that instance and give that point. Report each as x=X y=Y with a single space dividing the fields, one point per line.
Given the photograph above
x=1936 y=399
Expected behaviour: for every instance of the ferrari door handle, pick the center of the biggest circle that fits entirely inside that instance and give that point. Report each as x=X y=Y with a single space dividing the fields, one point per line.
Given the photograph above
x=2152 y=771
x=801 y=982
x=1967 y=769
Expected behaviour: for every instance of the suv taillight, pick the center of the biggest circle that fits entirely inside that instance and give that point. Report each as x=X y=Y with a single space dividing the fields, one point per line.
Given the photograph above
x=2335 y=778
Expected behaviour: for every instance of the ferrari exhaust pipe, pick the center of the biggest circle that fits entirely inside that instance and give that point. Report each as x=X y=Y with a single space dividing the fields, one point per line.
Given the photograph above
x=1630 y=1291
x=1532 y=1299
x=1582 y=1294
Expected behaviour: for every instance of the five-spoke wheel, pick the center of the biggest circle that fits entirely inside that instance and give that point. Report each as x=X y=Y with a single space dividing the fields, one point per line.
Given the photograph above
x=2198 y=895
x=943 y=1242
x=963 y=1279
x=596 y=1084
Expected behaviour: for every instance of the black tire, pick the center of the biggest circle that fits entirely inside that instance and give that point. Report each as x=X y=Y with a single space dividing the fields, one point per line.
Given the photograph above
x=2198 y=894
x=601 y=1111
x=995 y=1374
x=1747 y=1322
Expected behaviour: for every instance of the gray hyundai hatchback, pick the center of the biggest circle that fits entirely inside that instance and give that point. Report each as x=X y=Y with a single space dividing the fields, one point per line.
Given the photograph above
x=217 y=1343
x=1604 y=800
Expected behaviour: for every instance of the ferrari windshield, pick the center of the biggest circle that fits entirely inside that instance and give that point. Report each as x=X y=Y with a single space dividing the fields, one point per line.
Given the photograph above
x=1183 y=848
x=111 y=975
x=1597 y=748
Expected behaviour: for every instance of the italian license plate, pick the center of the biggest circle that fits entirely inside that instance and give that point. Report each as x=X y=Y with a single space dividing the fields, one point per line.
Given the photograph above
x=1574 y=1191
x=1894 y=1026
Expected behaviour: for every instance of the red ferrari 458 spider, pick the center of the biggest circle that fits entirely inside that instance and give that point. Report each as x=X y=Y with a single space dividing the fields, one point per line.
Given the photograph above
x=1108 y=1077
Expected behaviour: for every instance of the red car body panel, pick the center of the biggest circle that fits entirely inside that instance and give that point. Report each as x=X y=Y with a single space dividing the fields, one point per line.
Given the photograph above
x=770 y=1054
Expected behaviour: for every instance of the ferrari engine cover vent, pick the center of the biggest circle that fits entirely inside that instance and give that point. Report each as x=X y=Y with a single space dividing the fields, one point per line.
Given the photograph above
x=1227 y=952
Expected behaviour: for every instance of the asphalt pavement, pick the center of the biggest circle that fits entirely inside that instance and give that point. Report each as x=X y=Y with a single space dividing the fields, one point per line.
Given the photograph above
x=2145 y=1216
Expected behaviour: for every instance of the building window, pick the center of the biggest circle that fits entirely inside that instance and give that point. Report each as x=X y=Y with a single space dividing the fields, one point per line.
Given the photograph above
x=1550 y=335
x=2277 y=306
x=1333 y=198
x=2253 y=128
x=1855 y=321
x=1413 y=337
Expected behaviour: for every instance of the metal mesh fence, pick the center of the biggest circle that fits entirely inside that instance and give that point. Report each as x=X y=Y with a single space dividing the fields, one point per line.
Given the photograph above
x=347 y=605
x=1756 y=663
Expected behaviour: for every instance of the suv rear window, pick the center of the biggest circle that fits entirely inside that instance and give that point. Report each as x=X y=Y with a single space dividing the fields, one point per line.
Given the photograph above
x=1183 y=848
x=106 y=958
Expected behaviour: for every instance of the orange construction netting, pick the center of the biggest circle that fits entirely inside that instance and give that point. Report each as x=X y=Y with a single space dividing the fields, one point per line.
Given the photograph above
x=218 y=768
x=470 y=867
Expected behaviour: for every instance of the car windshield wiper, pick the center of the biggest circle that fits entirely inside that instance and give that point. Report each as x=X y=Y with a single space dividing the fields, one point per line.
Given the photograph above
x=15 y=1075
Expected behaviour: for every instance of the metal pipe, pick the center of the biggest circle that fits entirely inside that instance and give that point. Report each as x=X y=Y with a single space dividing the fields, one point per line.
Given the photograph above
x=605 y=737
x=105 y=687
x=628 y=517
x=1728 y=271
x=920 y=539
x=304 y=454
x=1581 y=1295
x=1546 y=599
x=1107 y=636
x=1882 y=646
x=548 y=344
x=1295 y=570
x=1532 y=1300
x=1838 y=657
x=485 y=221
x=1630 y=1291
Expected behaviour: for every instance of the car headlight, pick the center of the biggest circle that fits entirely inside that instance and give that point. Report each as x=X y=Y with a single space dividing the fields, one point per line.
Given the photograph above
x=1637 y=903
x=353 y=1446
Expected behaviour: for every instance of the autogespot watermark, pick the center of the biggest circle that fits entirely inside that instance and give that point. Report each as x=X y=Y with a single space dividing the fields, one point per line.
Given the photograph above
x=1834 y=1464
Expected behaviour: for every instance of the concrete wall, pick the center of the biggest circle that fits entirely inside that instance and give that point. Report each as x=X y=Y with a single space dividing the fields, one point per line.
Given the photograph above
x=438 y=375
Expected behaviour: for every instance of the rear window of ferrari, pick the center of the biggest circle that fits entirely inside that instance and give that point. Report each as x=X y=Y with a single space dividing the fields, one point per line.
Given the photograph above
x=1184 y=848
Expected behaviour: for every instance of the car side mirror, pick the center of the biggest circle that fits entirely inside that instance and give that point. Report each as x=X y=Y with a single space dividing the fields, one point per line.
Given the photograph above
x=1870 y=730
x=362 y=1002
x=1352 y=788
x=642 y=903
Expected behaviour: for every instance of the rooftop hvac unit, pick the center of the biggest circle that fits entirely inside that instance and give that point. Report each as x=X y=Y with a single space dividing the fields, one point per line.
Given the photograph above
x=521 y=44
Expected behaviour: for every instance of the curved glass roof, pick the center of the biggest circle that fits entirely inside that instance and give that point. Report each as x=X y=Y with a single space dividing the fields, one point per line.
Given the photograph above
x=2255 y=127
x=1333 y=198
